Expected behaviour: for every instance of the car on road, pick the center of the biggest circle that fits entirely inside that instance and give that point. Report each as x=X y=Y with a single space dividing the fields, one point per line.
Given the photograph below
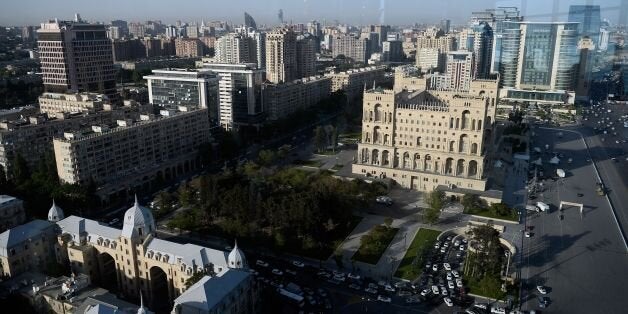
x=541 y=289
x=498 y=310
x=447 y=266
x=259 y=262
x=371 y=290
x=355 y=287
x=384 y=299
x=353 y=276
x=324 y=274
x=462 y=248
x=437 y=245
x=448 y=301
x=443 y=249
x=443 y=291
x=298 y=264
x=455 y=273
x=389 y=288
x=322 y=292
x=425 y=292
x=382 y=199
x=412 y=300
x=277 y=272
x=544 y=302
x=449 y=275
x=338 y=273
x=340 y=278
x=291 y=272
x=456 y=242
x=528 y=234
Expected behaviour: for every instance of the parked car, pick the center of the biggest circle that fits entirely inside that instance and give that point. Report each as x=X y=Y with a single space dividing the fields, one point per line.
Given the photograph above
x=447 y=266
x=277 y=272
x=541 y=289
x=425 y=292
x=259 y=262
x=298 y=264
x=383 y=298
x=448 y=302
x=353 y=276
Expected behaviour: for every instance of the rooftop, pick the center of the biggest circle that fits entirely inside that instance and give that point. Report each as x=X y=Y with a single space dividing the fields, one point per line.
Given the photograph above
x=4 y=199
x=21 y=233
x=205 y=294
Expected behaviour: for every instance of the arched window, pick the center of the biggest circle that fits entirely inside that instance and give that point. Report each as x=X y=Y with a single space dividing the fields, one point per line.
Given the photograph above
x=479 y=125
x=457 y=123
x=375 y=157
x=473 y=168
x=417 y=161
x=376 y=135
x=386 y=139
x=451 y=123
x=464 y=144
x=466 y=119
x=385 y=158
x=406 y=160
x=452 y=146
x=449 y=166
x=474 y=148
x=460 y=167
x=378 y=113
x=473 y=125
x=427 y=164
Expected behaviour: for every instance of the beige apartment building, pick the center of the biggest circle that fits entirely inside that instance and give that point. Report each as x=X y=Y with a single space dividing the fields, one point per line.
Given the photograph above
x=281 y=100
x=132 y=260
x=281 y=55
x=133 y=154
x=423 y=138
x=53 y=103
x=353 y=81
x=188 y=47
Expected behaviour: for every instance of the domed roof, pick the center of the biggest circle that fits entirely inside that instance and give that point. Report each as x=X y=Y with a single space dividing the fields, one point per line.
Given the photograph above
x=55 y=213
x=236 y=258
x=138 y=221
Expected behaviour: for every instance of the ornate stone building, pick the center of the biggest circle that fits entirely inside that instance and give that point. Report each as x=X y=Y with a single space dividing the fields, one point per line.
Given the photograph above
x=424 y=138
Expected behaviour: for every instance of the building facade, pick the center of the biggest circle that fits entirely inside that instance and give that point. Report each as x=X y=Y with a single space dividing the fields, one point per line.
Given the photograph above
x=354 y=81
x=188 y=47
x=77 y=57
x=306 y=55
x=11 y=212
x=429 y=59
x=281 y=100
x=132 y=260
x=460 y=67
x=133 y=155
x=424 y=139
x=53 y=103
x=235 y=48
x=351 y=47
x=239 y=93
x=281 y=55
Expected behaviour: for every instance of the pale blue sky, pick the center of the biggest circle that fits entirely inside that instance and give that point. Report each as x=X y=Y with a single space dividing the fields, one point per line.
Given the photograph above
x=23 y=12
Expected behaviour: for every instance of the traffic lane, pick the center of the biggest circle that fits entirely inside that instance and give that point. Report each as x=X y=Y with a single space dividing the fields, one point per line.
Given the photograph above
x=577 y=256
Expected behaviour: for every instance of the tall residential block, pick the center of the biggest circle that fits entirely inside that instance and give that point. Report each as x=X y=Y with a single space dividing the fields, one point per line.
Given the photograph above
x=281 y=55
x=235 y=48
x=351 y=47
x=459 y=70
x=281 y=100
x=77 y=57
x=306 y=55
x=240 y=93
x=188 y=47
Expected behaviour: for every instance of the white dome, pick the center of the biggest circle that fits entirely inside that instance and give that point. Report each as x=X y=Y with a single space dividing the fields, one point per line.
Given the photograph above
x=236 y=258
x=55 y=213
x=138 y=221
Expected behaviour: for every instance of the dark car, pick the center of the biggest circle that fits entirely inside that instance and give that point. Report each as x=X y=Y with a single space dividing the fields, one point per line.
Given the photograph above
x=543 y=302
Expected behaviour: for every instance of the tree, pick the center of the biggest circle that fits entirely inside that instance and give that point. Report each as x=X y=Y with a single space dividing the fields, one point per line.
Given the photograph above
x=267 y=157
x=320 y=140
x=471 y=202
x=21 y=173
x=435 y=201
x=501 y=209
x=185 y=193
x=334 y=138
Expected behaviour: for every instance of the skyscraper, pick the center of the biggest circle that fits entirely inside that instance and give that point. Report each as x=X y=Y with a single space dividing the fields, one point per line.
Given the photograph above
x=235 y=48
x=306 y=55
x=281 y=55
x=589 y=18
x=538 y=60
x=77 y=57
x=445 y=24
x=249 y=21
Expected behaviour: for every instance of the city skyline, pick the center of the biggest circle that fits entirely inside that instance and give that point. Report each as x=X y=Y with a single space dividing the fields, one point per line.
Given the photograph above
x=33 y=12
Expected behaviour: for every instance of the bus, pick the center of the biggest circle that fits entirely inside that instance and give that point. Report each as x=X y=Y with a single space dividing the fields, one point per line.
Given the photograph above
x=292 y=297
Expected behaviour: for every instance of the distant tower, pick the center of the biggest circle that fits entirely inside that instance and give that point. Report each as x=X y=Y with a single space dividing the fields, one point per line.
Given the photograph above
x=77 y=18
x=236 y=258
x=280 y=16
x=55 y=213
x=249 y=22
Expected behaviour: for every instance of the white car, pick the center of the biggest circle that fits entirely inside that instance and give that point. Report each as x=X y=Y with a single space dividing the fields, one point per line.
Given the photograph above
x=449 y=276
x=353 y=276
x=340 y=278
x=338 y=273
x=450 y=284
x=435 y=267
x=425 y=292
x=541 y=289
x=371 y=290
x=447 y=266
x=528 y=234
x=435 y=290
x=291 y=272
x=443 y=249
x=389 y=288
x=456 y=242
x=448 y=302
x=298 y=264
x=383 y=298
x=443 y=291
x=455 y=273
x=498 y=310
x=462 y=248
x=277 y=272
x=261 y=263
x=458 y=282
x=437 y=245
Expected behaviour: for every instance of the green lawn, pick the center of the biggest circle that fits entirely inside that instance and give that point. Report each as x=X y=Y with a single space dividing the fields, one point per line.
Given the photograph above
x=485 y=212
x=411 y=265
x=383 y=239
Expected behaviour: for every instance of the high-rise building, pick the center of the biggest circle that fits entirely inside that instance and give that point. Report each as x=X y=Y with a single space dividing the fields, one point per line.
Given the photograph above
x=603 y=40
x=281 y=55
x=281 y=100
x=249 y=21
x=427 y=140
x=188 y=47
x=123 y=26
x=137 y=30
x=77 y=57
x=11 y=212
x=28 y=34
x=314 y=28
x=192 y=31
x=172 y=31
x=260 y=48
x=585 y=66
x=351 y=47
x=235 y=48
x=114 y=32
x=353 y=81
x=306 y=55
x=429 y=59
x=496 y=19
x=479 y=40
x=459 y=70
x=588 y=17
x=538 y=61
x=392 y=51
x=180 y=87
x=240 y=93
x=445 y=25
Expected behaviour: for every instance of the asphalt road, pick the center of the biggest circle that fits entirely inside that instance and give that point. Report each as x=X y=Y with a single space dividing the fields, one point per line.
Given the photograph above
x=581 y=258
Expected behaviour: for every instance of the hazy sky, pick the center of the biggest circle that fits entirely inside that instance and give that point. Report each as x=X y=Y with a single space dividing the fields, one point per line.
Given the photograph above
x=31 y=12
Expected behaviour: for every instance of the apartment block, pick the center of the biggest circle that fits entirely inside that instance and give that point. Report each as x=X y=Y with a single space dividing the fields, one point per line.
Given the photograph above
x=53 y=103
x=281 y=55
x=131 y=155
x=281 y=100
x=188 y=47
x=354 y=81
x=351 y=47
